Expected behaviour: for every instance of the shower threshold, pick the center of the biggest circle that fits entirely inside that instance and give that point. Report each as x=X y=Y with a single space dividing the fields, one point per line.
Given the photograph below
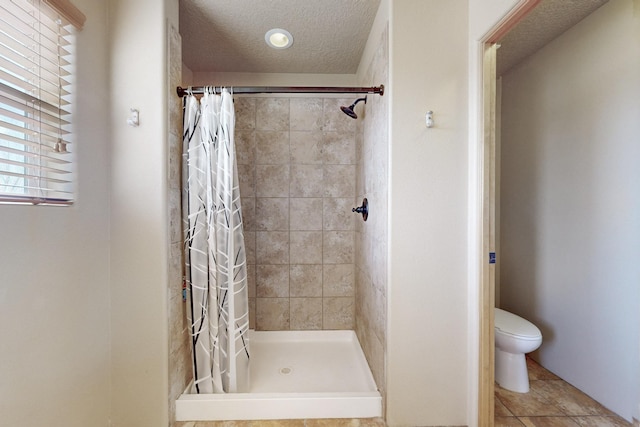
x=294 y=374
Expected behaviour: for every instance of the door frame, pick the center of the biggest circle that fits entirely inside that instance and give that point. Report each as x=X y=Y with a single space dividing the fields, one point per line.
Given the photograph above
x=486 y=168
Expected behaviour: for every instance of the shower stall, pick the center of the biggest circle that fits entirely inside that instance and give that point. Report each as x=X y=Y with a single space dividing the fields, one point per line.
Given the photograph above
x=298 y=168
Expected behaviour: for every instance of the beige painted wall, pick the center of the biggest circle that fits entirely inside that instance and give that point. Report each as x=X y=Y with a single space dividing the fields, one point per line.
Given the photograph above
x=427 y=300
x=54 y=288
x=138 y=212
x=571 y=206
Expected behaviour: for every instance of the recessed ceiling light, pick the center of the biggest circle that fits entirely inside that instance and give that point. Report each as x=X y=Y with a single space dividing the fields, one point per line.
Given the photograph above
x=278 y=38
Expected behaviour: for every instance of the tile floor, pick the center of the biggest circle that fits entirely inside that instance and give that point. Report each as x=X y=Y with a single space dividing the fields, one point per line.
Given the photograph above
x=366 y=422
x=551 y=402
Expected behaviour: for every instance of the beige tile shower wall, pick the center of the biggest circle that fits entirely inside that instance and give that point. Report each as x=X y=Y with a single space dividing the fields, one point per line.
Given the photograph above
x=179 y=357
x=297 y=172
x=371 y=236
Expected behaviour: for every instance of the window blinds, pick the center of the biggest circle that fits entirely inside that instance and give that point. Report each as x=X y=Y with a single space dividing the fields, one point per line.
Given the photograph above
x=35 y=82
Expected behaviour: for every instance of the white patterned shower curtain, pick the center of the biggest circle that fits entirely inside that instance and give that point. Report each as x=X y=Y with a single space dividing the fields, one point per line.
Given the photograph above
x=215 y=261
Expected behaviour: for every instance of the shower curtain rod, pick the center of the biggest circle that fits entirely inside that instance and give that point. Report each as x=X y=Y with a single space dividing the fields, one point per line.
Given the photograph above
x=198 y=90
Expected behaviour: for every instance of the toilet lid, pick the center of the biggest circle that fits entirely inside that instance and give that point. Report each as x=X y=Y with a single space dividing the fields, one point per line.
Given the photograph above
x=510 y=324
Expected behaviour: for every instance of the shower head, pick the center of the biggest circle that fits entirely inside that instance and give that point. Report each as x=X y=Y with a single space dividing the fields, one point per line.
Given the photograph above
x=349 y=110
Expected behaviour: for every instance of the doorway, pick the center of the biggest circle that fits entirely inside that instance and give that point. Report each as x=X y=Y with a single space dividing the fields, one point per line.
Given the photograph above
x=487 y=169
x=488 y=282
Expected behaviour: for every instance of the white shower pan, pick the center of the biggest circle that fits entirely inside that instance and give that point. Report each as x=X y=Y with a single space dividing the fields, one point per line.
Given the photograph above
x=294 y=374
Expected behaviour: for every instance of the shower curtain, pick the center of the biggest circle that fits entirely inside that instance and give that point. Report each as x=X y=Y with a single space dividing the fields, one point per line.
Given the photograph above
x=215 y=261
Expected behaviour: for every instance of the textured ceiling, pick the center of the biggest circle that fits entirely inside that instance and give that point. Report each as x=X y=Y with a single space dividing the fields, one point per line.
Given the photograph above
x=547 y=21
x=228 y=35
x=329 y=35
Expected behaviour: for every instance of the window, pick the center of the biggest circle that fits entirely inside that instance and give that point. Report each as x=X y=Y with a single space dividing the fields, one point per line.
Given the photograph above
x=36 y=154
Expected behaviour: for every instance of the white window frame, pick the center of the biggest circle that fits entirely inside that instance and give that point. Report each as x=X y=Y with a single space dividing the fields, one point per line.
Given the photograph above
x=36 y=94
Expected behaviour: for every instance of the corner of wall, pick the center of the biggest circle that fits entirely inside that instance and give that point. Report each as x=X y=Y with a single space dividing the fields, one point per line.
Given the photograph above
x=379 y=25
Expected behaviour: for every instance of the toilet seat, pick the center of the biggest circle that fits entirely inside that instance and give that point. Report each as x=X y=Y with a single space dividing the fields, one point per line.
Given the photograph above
x=515 y=326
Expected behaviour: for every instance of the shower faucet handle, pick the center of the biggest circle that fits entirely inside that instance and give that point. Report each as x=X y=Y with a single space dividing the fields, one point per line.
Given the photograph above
x=364 y=209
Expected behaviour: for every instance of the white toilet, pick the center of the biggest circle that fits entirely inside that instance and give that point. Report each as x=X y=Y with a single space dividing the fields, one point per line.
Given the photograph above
x=515 y=337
